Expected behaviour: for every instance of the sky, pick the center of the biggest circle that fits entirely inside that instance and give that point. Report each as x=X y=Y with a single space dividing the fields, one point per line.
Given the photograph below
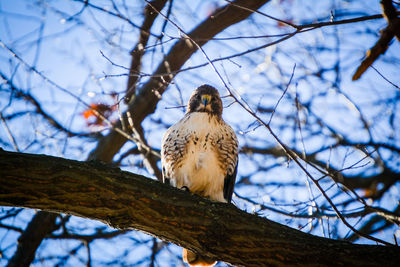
x=78 y=55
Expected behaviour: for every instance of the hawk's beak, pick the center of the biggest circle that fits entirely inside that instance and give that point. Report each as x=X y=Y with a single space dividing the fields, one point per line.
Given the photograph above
x=205 y=99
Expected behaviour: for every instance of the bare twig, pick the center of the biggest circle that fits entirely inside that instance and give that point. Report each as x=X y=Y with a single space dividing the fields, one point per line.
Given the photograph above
x=28 y=97
x=283 y=94
x=9 y=133
x=386 y=79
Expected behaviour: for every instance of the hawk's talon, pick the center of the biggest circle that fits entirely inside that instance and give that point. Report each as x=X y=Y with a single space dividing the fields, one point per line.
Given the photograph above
x=185 y=188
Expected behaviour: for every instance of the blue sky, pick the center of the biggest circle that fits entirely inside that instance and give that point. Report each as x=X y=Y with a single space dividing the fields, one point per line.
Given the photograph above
x=70 y=55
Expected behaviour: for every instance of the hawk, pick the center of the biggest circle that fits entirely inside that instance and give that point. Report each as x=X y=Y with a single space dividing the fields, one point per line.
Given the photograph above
x=200 y=154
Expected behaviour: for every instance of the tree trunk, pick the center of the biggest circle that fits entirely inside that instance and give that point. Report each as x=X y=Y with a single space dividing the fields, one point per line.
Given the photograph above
x=129 y=201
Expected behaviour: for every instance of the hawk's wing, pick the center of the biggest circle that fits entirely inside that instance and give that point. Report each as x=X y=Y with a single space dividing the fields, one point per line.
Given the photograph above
x=229 y=184
x=173 y=147
x=228 y=150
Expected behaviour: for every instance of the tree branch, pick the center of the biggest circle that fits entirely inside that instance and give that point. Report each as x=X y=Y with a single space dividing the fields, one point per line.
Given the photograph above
x=130 y=201
x=150 y=14
x=18 y=93
x=390 y=14
x=380 y=47
x=145 y=102
x=42 y=224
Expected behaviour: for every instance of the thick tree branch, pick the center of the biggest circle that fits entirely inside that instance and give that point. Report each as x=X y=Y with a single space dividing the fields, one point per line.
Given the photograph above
x=150 y=14
x=129 y=201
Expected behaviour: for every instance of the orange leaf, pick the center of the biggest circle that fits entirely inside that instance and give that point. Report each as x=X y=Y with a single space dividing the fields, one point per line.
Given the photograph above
x=87 y=113
x=104 y=109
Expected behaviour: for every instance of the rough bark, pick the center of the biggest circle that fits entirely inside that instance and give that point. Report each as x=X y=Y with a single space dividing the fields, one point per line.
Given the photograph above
x=130 y=201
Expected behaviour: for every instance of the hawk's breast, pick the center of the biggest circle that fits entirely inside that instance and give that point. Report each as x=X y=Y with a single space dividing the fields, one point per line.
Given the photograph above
x=197 y=154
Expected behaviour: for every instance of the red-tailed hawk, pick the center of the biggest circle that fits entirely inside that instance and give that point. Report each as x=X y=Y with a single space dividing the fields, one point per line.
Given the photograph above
x=200 y=154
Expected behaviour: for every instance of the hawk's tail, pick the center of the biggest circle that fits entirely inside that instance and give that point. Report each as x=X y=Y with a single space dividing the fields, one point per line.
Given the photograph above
x=194 y=259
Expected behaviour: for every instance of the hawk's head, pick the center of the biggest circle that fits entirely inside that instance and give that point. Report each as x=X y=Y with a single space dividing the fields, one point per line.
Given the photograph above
x=205 y=99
